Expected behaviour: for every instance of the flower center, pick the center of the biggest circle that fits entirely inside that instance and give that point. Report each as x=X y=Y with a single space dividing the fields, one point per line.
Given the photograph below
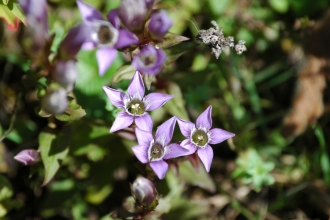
x=156 y=152
x=200 y=138
x=136 y=107
x=105 y=35
x=148 y=60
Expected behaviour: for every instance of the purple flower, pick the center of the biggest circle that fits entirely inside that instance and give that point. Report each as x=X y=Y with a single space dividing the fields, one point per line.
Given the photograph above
x=105 y=34
x=155 y=150
x=28 y=157
x=149 y=60
x=135 y=105
x=133 y=13
x=159 y=24
x=200 y=136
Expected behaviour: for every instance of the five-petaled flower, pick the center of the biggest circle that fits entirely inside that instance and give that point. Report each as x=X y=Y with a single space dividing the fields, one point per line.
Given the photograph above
x=105 y=34
x=200 y=136
x=154 y=150
x=135 y=104
x=149 y=60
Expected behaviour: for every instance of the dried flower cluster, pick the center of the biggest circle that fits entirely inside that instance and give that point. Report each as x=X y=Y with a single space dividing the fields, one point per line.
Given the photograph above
x=214 y=38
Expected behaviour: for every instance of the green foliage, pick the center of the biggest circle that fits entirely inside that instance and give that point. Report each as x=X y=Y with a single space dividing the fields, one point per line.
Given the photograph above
x=252 y=169
x=10 y=10
x=53 y=147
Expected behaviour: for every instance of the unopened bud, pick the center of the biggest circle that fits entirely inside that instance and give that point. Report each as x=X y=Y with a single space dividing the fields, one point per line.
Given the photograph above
x=28 y=157
x=159 y=24
x=55 y=102
x=145 y=193
x=73 y=41
x=65 y=74
x=133 y=14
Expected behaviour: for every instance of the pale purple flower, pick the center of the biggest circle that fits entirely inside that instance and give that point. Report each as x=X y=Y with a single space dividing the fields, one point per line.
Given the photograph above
x=154 y=150
x=105 y=34
x=199 y=136
x=28 y=157
x=159 y=24
x=135 y=105
x=149 y=60
x=133 y=13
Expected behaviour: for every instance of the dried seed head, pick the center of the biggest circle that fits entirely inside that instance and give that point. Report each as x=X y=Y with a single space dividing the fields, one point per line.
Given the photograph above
x=214 y=38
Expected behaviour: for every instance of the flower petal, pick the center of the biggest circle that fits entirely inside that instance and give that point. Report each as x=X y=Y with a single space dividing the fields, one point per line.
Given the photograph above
x=189 y=146
x=160 y=168
x=113 y=18
x=144 y=137
x=88 y=12
x=156 y=100
x=105 y=56
x=144 y=122
x=123 y=120
x=206 y=156
x=136 y=85
x=141 y=152
x=90 y=45
x=166 y=130
x=185 y=127
x=205 y=119
x=116 y=97
x=175 y=150
x=126 y=39
x=218 y=135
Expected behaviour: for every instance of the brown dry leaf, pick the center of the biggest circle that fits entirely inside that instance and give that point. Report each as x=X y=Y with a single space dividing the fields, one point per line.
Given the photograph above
x=308 y=103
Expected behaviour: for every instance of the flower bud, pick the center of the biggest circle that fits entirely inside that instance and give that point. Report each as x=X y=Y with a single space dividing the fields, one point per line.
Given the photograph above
x=145 y=193
x=150 y=4
x=150 y=60
x=55 y=102
x=65 y=74
x=159 y=24
x=133 y=14
x=73 y=41
x=28 y=157
x=36 y=19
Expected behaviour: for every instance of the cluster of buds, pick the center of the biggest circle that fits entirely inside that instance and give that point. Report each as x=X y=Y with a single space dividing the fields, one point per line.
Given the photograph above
x=60 y=71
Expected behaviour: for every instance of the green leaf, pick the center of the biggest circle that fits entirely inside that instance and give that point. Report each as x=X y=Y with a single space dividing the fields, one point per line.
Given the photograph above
x=175 y=106
x=176 y=51
x=5 y=188
x=53 y=147
x=39 y=111
x=10 y=11
x=96 y=195
x=73 y=112
x=124 y=72
x=200 y=178
x=170 y=39
x=5 y=2
x=280 y=6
